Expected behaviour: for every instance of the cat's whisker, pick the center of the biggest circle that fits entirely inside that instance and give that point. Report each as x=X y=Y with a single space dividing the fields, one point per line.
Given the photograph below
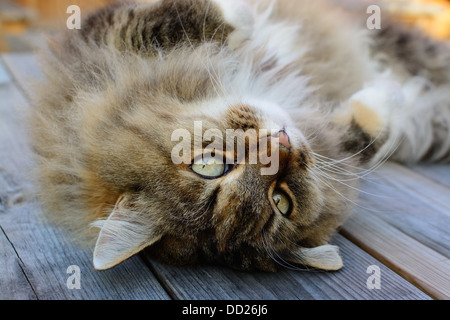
x=364 y=172
x=335 y=169
x=334 y=162
x=352 y=176
x=329 y=166
x=299 y=267
x=360 y=173
x=362 y=150
x=275 y=256
x=335 y=190
x=327 y=176
x=393 y=148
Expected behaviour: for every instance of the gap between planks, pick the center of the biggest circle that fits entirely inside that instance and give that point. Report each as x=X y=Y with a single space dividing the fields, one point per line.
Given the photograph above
x=419 y=264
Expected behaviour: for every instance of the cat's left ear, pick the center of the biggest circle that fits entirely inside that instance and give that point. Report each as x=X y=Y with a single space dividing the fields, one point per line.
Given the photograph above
x=324 y=257
x=124 y=233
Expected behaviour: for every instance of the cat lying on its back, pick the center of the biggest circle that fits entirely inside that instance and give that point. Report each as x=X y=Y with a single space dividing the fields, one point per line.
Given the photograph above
x=321 y=94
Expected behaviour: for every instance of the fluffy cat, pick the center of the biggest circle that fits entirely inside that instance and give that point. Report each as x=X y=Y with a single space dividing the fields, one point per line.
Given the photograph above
x=341 y=99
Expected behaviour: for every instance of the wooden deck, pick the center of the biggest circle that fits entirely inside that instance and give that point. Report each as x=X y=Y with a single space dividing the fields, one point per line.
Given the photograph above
x=401 y=226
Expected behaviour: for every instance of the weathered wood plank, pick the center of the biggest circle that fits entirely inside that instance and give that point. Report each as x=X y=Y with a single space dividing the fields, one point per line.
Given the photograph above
x=405 y=200
x=14 y=284
x=4 y=76
x=437 y=172
x=418 y=263
x=213 y=282
x=44 y=252
x=15 y=154
x=24 y=69
x=408 y=180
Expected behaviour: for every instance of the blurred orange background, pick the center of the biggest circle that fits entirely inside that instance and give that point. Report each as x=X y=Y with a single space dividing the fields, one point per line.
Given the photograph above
x=22 y=22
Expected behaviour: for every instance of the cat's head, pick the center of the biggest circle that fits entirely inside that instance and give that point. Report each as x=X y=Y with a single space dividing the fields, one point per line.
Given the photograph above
x=193 y=176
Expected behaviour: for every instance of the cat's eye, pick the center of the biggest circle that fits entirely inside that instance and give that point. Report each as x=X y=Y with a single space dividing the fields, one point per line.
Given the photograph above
x=210 y=168
x=282 y=202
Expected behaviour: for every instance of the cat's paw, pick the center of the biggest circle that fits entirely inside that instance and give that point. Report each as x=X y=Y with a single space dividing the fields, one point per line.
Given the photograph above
x=368 y=119
x=373 y=108
x=238 y=14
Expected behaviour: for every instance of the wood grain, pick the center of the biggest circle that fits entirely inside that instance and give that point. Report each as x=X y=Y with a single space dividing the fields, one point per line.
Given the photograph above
x=213 y=282
x=437 y=172
x=408 y=180
x=405 y=200
x=14 y=284
x=418 y=263
x=24 y=69
x=46 y=254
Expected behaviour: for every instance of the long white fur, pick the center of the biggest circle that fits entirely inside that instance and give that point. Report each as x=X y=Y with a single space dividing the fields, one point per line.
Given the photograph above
x=325 y=257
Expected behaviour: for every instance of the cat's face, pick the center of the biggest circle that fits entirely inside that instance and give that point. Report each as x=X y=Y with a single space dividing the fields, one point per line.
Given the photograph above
x=250 y=211
x=267 y=207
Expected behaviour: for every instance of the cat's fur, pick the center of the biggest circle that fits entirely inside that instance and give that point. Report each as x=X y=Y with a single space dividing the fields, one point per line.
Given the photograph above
x=347 y=97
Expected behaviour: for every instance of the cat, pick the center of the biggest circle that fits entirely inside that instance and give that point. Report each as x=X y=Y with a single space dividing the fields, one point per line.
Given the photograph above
x=335 y=98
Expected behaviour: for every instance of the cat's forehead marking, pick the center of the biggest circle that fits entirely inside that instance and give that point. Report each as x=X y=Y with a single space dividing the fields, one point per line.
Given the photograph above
x=242 y=116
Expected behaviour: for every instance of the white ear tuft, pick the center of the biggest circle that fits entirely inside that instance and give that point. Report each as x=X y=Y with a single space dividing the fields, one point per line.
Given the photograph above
x=124 y=233
x=325 y=257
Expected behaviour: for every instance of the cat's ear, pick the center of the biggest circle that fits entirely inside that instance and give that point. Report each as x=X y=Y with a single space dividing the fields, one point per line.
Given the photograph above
x=324 y=257
x=124 y=233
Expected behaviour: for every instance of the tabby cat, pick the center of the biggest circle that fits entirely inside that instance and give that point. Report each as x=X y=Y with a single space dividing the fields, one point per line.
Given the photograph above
x=335 y=100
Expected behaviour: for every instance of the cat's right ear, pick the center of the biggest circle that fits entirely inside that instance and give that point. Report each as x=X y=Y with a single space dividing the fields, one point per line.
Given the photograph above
x=124 y=233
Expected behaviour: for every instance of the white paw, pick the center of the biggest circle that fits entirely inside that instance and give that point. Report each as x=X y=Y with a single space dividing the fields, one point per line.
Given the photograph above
x=238 y=14
x=375 y=107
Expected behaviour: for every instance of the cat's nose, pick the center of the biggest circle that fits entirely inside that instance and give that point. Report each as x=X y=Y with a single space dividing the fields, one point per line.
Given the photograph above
x=283 y=139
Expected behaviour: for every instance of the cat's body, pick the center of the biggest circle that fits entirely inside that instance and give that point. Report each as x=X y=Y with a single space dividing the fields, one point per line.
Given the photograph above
x=340 y=97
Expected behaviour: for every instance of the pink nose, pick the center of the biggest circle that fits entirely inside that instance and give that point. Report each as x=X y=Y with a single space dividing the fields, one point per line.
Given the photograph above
x=283 y=139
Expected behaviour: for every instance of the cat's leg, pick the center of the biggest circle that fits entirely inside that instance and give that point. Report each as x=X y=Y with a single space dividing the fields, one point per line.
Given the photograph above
x=407 y=122
x=424 y=123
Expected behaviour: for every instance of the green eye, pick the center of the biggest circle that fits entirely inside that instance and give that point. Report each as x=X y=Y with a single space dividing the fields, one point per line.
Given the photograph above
x=282 y=202
x=209 y=168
